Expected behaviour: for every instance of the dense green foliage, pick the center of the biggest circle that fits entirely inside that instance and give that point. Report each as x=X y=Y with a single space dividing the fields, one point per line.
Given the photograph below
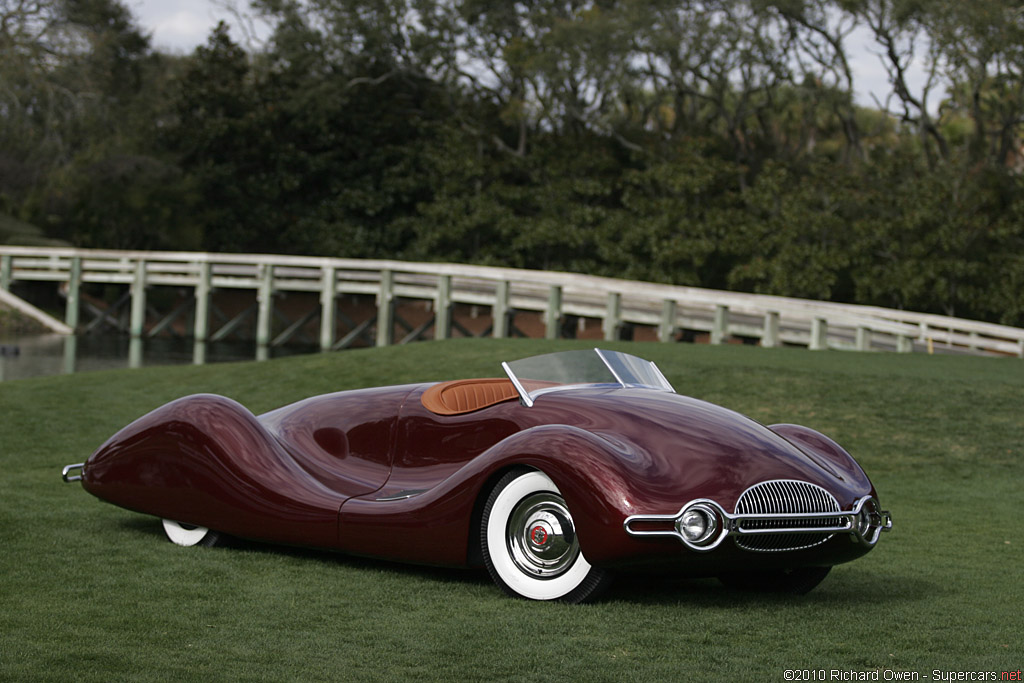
x=712 y=143
x=91 y=592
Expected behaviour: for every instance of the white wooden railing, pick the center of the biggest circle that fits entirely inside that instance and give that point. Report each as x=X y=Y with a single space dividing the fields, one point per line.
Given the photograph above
x=769 y=320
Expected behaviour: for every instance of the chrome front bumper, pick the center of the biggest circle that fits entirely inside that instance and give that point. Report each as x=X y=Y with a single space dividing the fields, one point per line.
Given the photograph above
x=866 y=521
x=66 y=473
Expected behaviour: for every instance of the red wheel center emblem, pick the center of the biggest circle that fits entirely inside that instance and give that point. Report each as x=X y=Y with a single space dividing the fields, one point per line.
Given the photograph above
x=539 y=535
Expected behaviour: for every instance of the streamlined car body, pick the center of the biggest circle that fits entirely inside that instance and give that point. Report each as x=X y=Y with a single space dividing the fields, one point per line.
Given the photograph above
x=575 y=466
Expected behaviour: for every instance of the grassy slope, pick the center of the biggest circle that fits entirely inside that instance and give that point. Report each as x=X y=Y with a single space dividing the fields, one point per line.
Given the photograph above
x=14 y=231
x=92 y=591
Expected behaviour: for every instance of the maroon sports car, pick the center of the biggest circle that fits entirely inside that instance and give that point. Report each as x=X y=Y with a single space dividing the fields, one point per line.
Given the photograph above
x=578 y=465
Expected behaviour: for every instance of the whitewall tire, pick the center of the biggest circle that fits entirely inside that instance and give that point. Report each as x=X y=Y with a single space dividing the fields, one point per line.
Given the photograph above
x=190 y=534
x=530 y=545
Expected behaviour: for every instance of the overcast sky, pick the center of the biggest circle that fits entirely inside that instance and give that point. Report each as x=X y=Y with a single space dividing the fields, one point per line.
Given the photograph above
x=180 y=25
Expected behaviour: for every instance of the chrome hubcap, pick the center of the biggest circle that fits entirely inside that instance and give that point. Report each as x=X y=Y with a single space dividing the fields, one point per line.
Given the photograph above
x=541 y=537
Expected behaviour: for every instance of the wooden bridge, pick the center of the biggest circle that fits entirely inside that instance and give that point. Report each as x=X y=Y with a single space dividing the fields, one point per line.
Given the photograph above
x=337 y=303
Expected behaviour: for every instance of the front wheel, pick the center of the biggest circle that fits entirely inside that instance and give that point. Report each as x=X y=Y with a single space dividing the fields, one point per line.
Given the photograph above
x=798 y=581
x=530 y=545
x=190 y=534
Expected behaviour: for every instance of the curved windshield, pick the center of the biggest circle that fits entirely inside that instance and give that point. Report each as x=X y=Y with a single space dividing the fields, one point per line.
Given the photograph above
x=552 y=371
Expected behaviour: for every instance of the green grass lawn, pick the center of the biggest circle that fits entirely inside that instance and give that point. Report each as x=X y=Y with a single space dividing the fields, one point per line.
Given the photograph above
x=94 y=593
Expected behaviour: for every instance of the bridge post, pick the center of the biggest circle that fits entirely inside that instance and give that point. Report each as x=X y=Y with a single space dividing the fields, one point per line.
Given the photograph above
x=71 y=308
x=668 y=320
x=770 y=336
x=500 y=312
x=138 y=311
x=135 y=352
x=863 y=339
x=386 y=309
x=328 y=292
x=264 y=307
x=553 y=313
x=202 y=294
x=720 y=327
x=443 y=308
x=613 y=316
x=70 y=354
x=6 y=272
x=819 y=335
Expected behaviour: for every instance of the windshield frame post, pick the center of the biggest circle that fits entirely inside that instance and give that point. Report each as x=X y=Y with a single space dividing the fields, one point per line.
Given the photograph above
x=524 y=396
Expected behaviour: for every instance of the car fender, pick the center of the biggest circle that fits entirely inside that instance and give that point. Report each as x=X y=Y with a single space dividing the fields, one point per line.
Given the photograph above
x=826 y=452
x=438 y=526
x=205 y=459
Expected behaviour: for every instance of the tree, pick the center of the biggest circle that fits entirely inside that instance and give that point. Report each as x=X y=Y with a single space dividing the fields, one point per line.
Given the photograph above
x=293 y=153
x=37 y=109
x=798 y=236
x=83 y=93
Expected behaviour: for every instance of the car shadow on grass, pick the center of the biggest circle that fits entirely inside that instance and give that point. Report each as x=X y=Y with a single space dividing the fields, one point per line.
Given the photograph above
x=150 y=528
x=845 y=586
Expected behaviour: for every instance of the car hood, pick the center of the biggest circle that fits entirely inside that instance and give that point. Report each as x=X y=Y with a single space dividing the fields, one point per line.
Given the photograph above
x=679 y=448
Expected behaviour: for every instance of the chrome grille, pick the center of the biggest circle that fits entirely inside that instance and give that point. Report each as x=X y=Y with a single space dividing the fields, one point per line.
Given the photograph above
x=784 y=496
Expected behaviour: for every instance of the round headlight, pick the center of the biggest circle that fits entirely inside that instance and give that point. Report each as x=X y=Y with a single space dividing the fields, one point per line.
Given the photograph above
x=696 y=525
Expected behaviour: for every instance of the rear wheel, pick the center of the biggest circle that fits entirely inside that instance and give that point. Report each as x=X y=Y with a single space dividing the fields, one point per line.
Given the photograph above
x=190 y=534
x=796 y=581
x=530 y=545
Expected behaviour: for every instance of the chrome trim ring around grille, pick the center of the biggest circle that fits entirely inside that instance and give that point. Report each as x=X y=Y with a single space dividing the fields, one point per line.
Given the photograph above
x=776 y=515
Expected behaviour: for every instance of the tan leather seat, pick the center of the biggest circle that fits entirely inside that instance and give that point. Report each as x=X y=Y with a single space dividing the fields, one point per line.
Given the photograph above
x=466 y=395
